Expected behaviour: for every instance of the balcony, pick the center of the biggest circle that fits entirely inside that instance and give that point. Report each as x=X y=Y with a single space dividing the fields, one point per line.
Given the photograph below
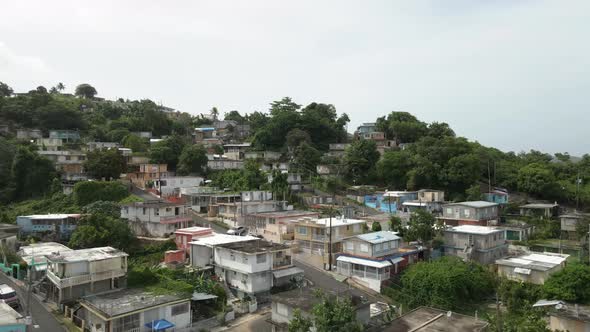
x=281 y=262
x=319 y=237
x=83 y=279
x=174 y=219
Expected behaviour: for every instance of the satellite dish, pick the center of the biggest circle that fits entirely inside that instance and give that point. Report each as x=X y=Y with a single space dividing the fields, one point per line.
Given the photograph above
x=449 y=314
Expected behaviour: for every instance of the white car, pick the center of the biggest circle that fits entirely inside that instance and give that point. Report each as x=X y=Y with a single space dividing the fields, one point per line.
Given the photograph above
x=239 y=230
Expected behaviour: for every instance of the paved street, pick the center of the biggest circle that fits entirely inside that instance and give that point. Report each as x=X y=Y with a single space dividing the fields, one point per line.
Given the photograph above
x=41 y=316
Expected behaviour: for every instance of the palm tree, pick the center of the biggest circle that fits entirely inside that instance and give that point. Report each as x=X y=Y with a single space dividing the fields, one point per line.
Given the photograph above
x=214 y=113
x=60 y=86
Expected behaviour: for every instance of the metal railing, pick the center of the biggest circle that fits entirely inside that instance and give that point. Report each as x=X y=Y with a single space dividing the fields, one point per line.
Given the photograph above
x=83 y=279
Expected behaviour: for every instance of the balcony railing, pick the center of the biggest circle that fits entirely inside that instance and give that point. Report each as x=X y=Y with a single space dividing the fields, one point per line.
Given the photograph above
x=318 y=237
x=83 y=279
x=174 y=219
x=282 y=262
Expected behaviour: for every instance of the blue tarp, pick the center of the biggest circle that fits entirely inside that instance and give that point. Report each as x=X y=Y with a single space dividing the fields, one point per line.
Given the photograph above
x=159 y=325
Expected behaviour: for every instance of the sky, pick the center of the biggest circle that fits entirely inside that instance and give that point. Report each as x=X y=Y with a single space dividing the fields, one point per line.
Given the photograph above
x=513 y=74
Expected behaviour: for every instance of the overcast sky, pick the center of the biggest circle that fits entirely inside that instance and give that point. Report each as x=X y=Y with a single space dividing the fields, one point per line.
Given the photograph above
x=510 y=74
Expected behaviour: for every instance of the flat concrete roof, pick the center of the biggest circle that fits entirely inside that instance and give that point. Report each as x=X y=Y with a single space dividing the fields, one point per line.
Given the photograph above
x=125 y=301
x=283 y=214
x=40 y=250
x=426 y=319
x=305 y=298
x=218 y=239
x=378 y=237
x=538 y=206
x=9 y=316
x=92 y=254
x=534 y=261
x=335 y=222
x=473 y=229
x=52 y=216
x=254 y=246
x=474 y=204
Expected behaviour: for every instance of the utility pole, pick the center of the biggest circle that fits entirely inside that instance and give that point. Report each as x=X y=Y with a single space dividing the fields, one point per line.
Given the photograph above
x=330 y=235
x=489 y=179
x=578 y=181
x=29 y=291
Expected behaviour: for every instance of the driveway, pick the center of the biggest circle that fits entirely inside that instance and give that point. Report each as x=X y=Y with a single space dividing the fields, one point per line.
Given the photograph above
x=40 y=315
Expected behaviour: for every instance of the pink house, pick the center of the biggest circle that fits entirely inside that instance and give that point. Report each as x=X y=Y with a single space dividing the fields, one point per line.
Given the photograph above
x=185 y=235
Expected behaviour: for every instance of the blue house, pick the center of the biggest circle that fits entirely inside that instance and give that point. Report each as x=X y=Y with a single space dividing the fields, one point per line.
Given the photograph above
x=390 y=201
x=496 y=196
x=54 y=226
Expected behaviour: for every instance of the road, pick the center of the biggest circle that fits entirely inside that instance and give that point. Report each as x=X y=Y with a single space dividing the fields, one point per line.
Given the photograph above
x=323 y=280
x=41 y=316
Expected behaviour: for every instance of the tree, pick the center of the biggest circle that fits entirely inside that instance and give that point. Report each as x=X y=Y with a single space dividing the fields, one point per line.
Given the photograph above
x=402 y=126
x=32 y=174
x=474 y=193
x=193 y=160
x=306 y=158
x=376 y=226
x=91 y=191
x=440 y=130
x=234 y=116
x=98 y=230
x=393 y=169
x=85 y=90
x=296 y=137
x=5 y=90
x=420 y=227
x=535 y=178
x=329 y=314
x=167 y=151
x=60 y=87
x=214 y=112
x=447 y=283
x=461 y=172
x=105 y=164
x=569 y=284
x=360 y=159
x=106 y=208
x=135 y=143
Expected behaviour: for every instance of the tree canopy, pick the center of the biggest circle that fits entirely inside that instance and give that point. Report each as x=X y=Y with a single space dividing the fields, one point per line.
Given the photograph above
x=105 y=164
x=85 y=90
x=193 y=160
x=99 y=230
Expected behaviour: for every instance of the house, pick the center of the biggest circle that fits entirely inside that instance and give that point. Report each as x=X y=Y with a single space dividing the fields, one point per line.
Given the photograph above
x=146 y=174
x=541 y=210
x=199 y=198
x=65 y=135
x=390 y=201
x=313 y=236
x=533 y=267
x=426 y=319
x=517 y=230
x=497 y=196
x=142 y=134
x=28 y=134
x=201 y=248
x=367 y=258
x=294 y=180
x=337 y=150
x=200 y=134
x=155 y=218
x=325 y=170
x=134 y=310
x=263 y=155
x=235 y=151
x=11 y=320
x=34 y=255
x=427 y=199
x=171 y=185
x=568 y=316
x=183 y=236
x=276 y=226
x=91 y=146
x=304 y=299
x=53 y=226
x=223 y=164
x=77 y=273
x=470 y=213
x=66 y=161
x=233 y=209
x=569 y=224
x=49 y=144
x=8 y=234
x=478 y=243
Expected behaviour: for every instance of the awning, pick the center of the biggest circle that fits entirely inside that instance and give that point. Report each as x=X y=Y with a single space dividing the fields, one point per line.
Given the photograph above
x=287 y=272
x=203 y=296
x=520 y=270
x=159 y=325
x=365 y=262
x=396 y=260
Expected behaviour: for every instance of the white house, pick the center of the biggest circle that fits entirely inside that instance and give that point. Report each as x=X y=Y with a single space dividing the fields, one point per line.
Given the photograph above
x=132 y=310
x=77 y=273
x=173 y=184
x=155 y=219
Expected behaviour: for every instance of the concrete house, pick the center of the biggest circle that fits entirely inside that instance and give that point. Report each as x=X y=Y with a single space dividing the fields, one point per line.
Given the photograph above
x=541 y=210
x=156 y=218
x=49 y=144
x=427 y=199
x=11 y=320
x=496 y=196
x=337 y=150
x=203 y=133
x=533 y=268
x=223 y=164
x=65 y=135
x=479 y=213
x=235 y=151
x=233 y=208
x=365 y=258
x=135 y=310
x=171 y=185
x=91 y=146
x=51 y=226
x=184 y=236
x=276 y=226
x=284 y=305
x=569 y=317
x=263 y=155
x=253 y=267
x=28 y=134
x=202 y=248
x=478 y=243
x=313 y=236
x=35 y=254
x=77 y=273
x=146 y=174
x=569 y=223
x=426 y=319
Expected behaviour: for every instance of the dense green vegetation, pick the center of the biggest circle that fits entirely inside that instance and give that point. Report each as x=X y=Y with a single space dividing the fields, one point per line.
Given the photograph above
x=330 y=314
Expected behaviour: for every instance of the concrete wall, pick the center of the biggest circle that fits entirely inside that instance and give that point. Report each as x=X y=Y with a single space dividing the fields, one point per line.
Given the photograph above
x=241 y=262
x=536 y=277
x=383 y=249
x=467 y=212
x=200 y=256
x=566 y=324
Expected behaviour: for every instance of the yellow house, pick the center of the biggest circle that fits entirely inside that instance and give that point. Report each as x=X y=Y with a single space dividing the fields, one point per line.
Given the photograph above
x=313 y=236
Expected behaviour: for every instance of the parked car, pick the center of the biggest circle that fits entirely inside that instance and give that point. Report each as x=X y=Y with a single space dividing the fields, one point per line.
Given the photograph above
x=8 y=296
x=239 y=230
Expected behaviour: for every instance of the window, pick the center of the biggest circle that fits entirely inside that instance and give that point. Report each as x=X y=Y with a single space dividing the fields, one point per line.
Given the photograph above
x=378 y=247
x=245 y=259
x=261 y=258
x=449 y=211
x=467 y=212
x=157 y=211
x=347 y=227
x=168 y=209
x=271 y=221
x=364 y=247
x=356 y=227
x=350 y=246
x=232 y=256
x=144 y=210
x=180 y=309
x=126 y=323
x=470 y=239
x=302 y=230
x=386 y=245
